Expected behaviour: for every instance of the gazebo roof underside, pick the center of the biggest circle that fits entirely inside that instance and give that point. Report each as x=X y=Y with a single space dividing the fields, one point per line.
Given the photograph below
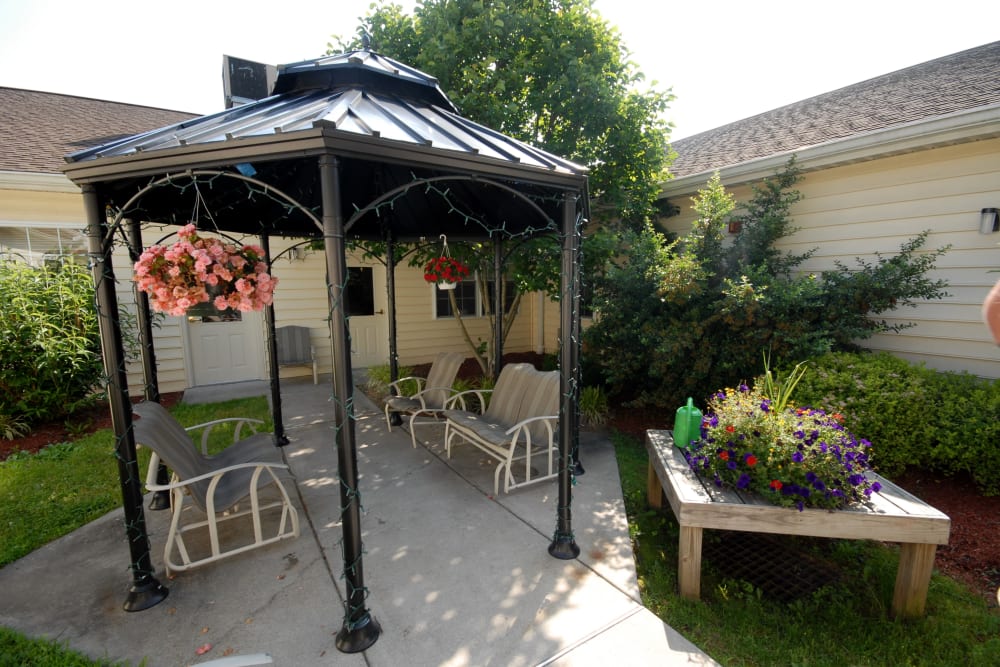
x=408 y=163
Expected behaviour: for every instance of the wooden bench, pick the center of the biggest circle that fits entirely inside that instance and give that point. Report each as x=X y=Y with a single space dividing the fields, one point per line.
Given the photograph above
x=519 y=424
x=894 y=516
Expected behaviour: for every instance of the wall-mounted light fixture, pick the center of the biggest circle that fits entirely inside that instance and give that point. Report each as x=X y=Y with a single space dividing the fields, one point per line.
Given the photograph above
x=299 y=253
x=989 y=221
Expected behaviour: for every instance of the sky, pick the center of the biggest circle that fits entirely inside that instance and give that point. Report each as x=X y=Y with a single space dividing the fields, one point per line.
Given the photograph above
x=724 y=60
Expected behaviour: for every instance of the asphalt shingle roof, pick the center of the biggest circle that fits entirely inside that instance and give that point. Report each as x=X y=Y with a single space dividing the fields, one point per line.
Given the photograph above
x=958 y=82
x=37 y=129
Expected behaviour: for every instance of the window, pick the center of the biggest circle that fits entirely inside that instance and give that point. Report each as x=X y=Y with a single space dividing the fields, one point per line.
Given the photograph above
x=467 y=296
x=36 y=245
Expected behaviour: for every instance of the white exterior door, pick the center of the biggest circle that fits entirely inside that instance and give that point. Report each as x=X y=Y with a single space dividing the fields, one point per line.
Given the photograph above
x=225 y=347
x=369 y=324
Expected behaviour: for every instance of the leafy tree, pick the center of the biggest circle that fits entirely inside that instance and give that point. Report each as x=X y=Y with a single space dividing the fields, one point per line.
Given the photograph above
x=551 y=73
x=701 y=313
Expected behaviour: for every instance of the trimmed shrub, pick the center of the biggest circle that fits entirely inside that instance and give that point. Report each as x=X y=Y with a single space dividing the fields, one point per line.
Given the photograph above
x=915 y=417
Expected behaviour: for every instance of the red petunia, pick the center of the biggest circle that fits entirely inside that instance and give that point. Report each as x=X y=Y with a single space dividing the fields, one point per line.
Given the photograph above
x=724 y=455
x=730 y=429
x=751 y=460
x=776 y=484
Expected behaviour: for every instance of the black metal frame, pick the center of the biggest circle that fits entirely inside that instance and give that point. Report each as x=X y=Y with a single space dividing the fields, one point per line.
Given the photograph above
x=311 y=165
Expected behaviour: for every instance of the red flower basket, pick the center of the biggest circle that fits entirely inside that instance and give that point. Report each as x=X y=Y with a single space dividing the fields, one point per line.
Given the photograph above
x=445 y=271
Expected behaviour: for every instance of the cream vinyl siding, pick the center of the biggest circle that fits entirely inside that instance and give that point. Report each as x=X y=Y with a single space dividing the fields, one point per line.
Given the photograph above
x=876 y=206
x=421 y=335
x=19 y=207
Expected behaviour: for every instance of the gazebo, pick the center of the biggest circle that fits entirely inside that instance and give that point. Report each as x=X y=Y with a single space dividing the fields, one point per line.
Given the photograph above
x=351 y=147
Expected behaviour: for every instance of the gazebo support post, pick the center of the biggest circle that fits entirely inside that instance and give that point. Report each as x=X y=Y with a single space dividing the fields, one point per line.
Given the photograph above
x=151 y=385
x=360 y=629
x=280 y=438
x=145 y=591
x=390 y=289
x=498 y=305
x=563 y=544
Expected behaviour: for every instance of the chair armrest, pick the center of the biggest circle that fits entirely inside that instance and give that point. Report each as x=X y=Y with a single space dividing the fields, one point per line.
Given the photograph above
x=426 y=390
x=548 y=419
x=236 y=435
x=414 y=378
x=459 y=399
x=208 y=475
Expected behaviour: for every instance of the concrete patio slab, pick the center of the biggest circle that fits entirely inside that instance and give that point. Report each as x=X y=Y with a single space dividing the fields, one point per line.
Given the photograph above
x=455 y=576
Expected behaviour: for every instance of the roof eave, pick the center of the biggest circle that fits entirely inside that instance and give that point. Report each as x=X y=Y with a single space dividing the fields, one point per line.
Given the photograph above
x=959 y=127
x=231 y=151
x=37 y=182
x=319 y=140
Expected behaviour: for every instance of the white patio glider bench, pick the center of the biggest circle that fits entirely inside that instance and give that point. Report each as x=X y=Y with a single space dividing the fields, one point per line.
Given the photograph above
x=520 y=425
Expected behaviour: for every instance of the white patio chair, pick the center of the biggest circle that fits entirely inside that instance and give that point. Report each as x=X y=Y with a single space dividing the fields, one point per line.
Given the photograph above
x=432 y=393
x=215 y=485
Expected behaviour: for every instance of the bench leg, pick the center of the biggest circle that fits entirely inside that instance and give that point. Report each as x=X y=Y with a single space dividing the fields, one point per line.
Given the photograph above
x=654 y=490
x=689 y=563
x=916 y=561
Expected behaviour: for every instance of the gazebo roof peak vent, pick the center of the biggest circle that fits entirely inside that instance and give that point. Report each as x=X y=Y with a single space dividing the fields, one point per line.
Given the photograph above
x=372 y=71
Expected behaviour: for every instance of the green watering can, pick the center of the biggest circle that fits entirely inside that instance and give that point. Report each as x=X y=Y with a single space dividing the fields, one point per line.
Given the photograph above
x=687 y=425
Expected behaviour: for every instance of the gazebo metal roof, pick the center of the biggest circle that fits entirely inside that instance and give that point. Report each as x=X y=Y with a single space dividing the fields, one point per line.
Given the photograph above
x=349 y=146
x=389 y=124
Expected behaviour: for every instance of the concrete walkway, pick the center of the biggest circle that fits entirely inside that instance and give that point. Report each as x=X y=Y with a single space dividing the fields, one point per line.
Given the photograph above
x=455 y=576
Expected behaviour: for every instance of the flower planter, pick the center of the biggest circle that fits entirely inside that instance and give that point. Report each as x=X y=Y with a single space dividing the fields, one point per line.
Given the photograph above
x=791 y=456
x=446 y=272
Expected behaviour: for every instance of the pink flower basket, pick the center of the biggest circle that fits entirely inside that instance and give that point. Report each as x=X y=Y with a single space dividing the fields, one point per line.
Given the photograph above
x=179 y=276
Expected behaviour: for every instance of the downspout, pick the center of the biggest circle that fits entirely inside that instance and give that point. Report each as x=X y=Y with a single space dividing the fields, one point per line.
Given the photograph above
x=360 y=630
x=145 y=591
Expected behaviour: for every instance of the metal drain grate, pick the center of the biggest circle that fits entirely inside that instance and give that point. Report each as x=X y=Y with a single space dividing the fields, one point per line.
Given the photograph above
x=782 y=567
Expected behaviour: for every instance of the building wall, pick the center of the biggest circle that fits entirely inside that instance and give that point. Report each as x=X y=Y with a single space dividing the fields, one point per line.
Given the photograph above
x=874 y=207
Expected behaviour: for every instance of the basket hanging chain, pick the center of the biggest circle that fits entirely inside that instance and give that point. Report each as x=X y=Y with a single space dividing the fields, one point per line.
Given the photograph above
x=199 y=204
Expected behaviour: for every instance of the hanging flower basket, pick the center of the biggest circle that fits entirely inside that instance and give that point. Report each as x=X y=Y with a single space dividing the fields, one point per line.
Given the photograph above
x=179 y=276
x=446 y=271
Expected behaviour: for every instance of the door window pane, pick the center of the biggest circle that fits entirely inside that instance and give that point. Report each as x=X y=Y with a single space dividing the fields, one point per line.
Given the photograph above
x=360 y=291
